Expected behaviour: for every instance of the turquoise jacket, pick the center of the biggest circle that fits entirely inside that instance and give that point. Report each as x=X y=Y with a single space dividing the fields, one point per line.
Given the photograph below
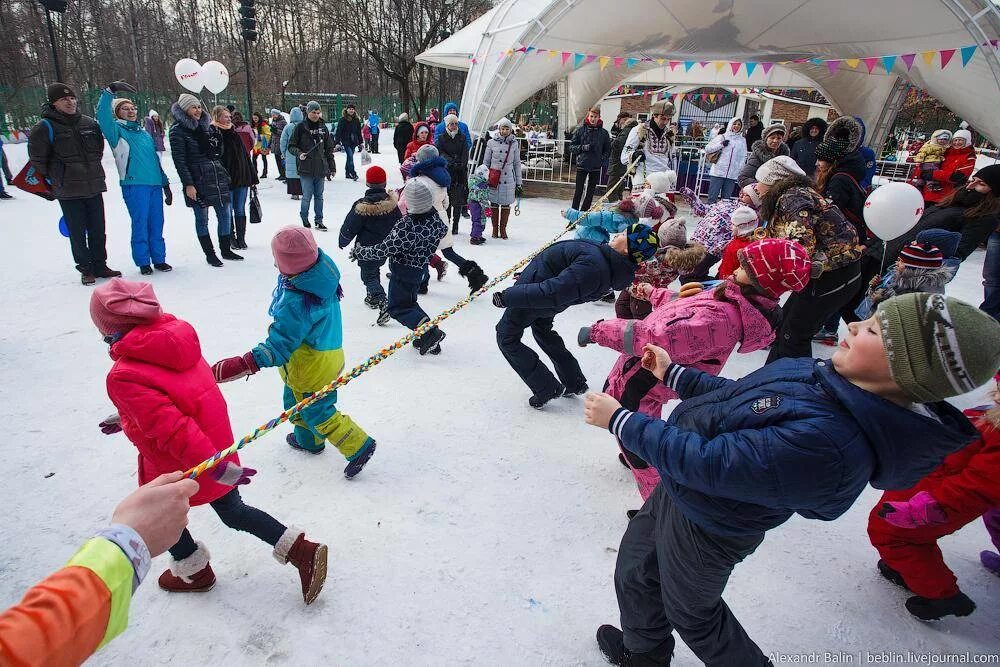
x=133 y=147
x=306 y=337
x=599 y=226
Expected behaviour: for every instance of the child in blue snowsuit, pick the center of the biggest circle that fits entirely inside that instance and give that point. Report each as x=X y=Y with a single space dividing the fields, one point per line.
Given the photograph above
x=305 y=343
x=143 y=181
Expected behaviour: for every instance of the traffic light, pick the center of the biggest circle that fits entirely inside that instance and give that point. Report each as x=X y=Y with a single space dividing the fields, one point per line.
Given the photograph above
x=248 y=20
x=54 y=5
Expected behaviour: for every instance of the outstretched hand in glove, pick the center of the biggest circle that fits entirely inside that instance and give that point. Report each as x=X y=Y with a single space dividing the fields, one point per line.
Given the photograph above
x=234 y=368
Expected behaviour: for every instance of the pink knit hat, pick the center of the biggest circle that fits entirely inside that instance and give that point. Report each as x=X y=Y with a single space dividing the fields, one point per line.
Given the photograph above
x=646 y=206
x=294 y=249
x=776 y=265
x=119 y=304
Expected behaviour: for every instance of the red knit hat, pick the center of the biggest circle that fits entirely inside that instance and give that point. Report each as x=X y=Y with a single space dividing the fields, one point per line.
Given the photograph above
x=119 y=304
x=921 y=256
x=375 y=176
x=294 y=249
x=776 y=265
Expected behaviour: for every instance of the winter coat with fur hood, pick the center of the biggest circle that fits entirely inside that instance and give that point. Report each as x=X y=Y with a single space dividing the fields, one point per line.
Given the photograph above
x=732 y=155
x=170 y=406
x=371 y=218
x=793 y=210
x=758 y=156
x=804 y=150
x=196 y=148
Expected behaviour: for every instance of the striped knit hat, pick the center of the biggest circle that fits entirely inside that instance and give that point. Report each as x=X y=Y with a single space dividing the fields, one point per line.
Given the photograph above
x=938 y=346
x=921 y=256
x=776 y=266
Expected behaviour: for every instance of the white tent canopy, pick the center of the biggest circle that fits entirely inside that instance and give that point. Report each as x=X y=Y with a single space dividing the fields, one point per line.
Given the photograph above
x=733 y=30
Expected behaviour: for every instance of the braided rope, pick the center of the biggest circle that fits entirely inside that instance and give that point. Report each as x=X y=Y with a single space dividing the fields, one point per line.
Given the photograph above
x=386 y=352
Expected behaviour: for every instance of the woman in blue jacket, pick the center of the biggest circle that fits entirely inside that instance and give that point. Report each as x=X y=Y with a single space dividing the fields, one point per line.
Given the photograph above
x=800 y=436
x=144 y=184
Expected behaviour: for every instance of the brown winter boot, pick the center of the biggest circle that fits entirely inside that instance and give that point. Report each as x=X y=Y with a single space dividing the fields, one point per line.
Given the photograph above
x=191 y=575
x=496 y=233
x=504 y=217
x=309 y=558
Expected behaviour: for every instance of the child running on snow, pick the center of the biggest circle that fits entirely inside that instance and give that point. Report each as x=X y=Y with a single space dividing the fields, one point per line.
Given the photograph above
x=674 y=256
x=805 y=436
x=171 y=409
x=370 y=220
x=904 y=526
x=408 y=247
x=479 y=204
x=698 y=331
x=305 y=343
x=744 y=222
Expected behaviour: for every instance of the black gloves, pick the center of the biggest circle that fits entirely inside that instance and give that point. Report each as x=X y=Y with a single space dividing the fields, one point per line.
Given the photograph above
x=519 y=190
x=498 y=300
x=585 y=148
x=958 y=178
x=168 y=196
x=639 y=156
x=121 y=87
x=725 y=142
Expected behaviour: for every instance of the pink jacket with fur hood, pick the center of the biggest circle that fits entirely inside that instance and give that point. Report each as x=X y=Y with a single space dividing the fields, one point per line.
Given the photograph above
x=699 y=331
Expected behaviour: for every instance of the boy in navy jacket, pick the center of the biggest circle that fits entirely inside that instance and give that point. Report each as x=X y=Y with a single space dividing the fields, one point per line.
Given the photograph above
x=739 y=457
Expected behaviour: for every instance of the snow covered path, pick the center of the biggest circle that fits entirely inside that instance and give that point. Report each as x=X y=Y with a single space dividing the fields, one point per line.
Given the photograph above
x=483 y=532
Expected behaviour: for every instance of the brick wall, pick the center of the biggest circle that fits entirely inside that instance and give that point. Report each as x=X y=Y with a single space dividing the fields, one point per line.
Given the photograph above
x=792 y=114
x=635 y=105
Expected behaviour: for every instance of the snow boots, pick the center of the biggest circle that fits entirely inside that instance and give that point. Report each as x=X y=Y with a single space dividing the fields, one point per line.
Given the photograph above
x=209 y=250
x=293 y=442
x=538 y=400
x=373 y=301
x=309 y=558
x=439 y=265
x=191 y=575
x=578 y=390
x=474 y=274
x=612 y=644
x=430 y=341
x=320 y=227
x=355 y=465
x=383 y=313
x=929 y=609
x=225 y=249
x=239 y=233
x=991 y=561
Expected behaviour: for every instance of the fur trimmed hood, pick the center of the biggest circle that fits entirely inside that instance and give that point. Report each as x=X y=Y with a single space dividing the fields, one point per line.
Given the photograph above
x=910 y=279
x=683 y=260
x=811 y=123
x=378 y=203
x=184 y=120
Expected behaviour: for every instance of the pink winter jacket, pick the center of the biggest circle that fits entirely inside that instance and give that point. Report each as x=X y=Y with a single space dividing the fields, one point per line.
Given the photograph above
x=698 y=331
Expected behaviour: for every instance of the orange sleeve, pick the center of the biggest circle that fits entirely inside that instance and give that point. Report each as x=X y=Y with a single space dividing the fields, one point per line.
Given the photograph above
x=61 y=620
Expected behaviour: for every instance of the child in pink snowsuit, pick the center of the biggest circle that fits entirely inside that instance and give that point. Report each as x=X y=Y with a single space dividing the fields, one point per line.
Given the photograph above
x=699 y=331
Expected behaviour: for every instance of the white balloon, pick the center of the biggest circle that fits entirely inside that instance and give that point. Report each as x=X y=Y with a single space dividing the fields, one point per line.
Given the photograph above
x=893 y=209
x=188 y=73
x=215 y=76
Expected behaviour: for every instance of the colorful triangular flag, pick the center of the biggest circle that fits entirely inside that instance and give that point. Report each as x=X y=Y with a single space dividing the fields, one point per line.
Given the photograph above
x=578 y=59
x=688 y=65
x=907 y=58
x=888 y=62
x=946 y=56
x=833 y=66
x=928 y=57
x=566 y=55
x=619 y=62
x=852 y=62
x=735 y=67
x=711 y=97
x=660 y=61
x=604 y=60
x=767 y=67
x=589 y=59
x=673 y=64
x=630 y=62
x=967 y=53
x=751 y=66
x=870 y=63
x=718 y=66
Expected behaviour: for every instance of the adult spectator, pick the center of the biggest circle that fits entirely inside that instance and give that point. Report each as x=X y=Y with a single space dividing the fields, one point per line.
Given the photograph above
x=262 y=146
x=247 y=134
x=955 y=169
x=592 y=146
x=196 y=148
x=155 y=128
x=66 y=147
x=619 y=135
x=754 y=130
x=726 y=152
x=504 y=155
x=402 y=135
x=293 y=186
x=804 y=150
x=793 y=209
x=771 y=145
x=840 y=168
x=653 y=140
x=452 y=108
x=278 y=124
x=374 y=123
x=314 y=147
x=143 y=181
x=348 y=136
x=452 y=147
x=242 y=174
x=72 y=613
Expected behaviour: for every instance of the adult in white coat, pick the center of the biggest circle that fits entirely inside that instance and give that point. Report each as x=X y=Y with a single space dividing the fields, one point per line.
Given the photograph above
x=731 y=149
x=654 y=139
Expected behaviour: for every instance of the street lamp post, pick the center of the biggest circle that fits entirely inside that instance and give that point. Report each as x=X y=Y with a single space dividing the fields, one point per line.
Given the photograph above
x=54 y=6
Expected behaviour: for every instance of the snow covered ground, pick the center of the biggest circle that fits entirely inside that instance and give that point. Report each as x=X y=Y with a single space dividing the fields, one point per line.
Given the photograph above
x=482 y=532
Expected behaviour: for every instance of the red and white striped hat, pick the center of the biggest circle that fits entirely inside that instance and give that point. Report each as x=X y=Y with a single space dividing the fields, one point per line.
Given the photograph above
x=921 y=256
x=776 y=265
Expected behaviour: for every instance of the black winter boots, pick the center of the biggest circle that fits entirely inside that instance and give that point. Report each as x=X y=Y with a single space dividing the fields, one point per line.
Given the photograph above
x=209 y=250
x=239 y=241
x=612 y=645
x=474 y=274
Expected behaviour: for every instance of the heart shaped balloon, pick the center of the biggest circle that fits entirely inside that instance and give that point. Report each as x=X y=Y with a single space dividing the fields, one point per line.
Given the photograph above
x=188 y=73
x=214 y=76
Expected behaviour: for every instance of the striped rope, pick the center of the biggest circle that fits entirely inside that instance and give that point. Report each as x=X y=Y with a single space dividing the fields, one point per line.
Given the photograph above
x=386 y=352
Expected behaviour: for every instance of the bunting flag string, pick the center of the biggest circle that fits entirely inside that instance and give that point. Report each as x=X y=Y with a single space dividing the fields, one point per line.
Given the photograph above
x=887 y=62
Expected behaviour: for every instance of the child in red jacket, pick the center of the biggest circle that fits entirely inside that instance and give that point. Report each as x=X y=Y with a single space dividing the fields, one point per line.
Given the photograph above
x=171 y=409
x=905 y=525
x=744 y=221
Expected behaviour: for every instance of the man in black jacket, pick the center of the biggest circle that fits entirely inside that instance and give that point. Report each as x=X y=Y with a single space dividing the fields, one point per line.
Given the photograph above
x=592 y=146
x=312 y=142
x=66 y=147
x=563 y=275
x=349 y=136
